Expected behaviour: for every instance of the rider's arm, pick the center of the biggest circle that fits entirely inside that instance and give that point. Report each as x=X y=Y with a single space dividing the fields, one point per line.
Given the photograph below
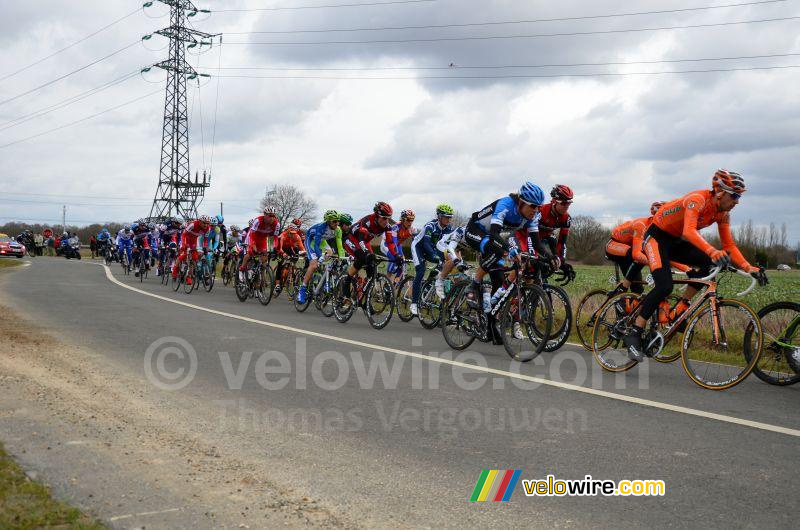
x=692 y=205
x=639 y=228
x=724 y=227
x=563 y=233
x=339 y=247
x=427 y=241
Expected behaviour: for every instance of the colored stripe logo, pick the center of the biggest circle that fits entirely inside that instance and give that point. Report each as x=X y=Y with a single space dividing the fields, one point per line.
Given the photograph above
x=495 y=485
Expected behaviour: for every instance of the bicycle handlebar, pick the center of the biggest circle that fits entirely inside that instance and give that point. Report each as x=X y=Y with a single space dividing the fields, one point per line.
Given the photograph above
x=718 y=269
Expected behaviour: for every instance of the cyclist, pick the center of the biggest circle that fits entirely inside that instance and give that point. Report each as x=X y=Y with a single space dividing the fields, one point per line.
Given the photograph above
x=191 y=233
x=168 y=242
x=555 y=216
x=103 y=242
x=358 y=243
x=450 y=245
x=141 y=243
x=289 y=246
x=124 y=242
x=423 y=249
x=516 y=212
x=223 y=233
x=260 y=238
x=233 y=245
x=316 y=235
x=626 y=250
x=399 y=233
x=674 y=236
x=209 y=243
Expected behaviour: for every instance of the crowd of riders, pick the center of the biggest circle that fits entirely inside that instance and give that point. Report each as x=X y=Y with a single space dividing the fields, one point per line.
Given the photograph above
x=523 y=222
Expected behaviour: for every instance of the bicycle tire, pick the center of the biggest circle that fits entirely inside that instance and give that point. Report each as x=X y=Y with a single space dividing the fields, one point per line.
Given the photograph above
x=778 y=364
x=531 y=308
x=403 y=299
x=613 y=319
x=309 y=297
x=266 y=286
x=560 y=335
x=585 y=315
x=343 y=314
x=378 y=290
x=718 y=361
x=457 y=318
x=429 y=308
x=242 y=288
x=327 y=296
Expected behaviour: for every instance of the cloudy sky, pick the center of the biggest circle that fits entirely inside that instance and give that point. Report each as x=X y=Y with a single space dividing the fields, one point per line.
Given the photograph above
x=351 y=120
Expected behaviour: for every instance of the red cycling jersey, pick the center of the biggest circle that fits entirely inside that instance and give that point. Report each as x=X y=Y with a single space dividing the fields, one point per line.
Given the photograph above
x=193 y=231
x=686 y=216
x=365 y=230
x=549 y=222
x=264 y=226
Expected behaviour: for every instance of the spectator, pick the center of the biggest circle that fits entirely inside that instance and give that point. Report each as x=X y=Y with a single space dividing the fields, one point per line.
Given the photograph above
x=39 y=241
x=93 y=245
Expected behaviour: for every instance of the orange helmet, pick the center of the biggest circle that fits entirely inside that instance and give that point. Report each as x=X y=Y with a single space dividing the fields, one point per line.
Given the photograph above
x=655 y=206
x=729 y=181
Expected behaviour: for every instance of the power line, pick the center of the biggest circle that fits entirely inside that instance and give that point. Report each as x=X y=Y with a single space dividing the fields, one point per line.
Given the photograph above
x=69 y=74
x=507 y=66
x=79 y=121
x=26 y=201
x=529 y=36
x=104 y=197
x=65 y=102
x=522 y=76
x=329 y=6
x=509 y=22
x=117 y=21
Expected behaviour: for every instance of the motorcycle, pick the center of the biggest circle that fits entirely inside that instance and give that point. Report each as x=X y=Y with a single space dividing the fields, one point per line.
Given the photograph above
x=71 y=251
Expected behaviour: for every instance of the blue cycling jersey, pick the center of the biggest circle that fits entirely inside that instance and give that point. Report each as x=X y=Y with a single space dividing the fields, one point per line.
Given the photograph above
x=319 y=233
x=504 y=213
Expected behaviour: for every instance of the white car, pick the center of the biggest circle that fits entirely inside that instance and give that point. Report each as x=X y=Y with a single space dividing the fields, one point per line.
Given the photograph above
x=783 y=267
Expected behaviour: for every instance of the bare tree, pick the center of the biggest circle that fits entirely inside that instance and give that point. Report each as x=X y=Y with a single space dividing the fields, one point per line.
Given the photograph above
x=290 y=203
x=587 y=239
x=459 y=219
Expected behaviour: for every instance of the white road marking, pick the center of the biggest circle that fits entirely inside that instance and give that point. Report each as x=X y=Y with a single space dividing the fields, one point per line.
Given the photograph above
x=557 y=384
x=143 y=514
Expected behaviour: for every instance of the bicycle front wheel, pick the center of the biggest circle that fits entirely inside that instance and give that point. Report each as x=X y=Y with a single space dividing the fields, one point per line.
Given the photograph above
x=525 y=322
x=430 y=307
x=562 y=317
x=403 y=301
x=266 y=284
x=779 y=363
x=460 y=322
x=586 y=314
x=379 y=304
x=721 y=348
x=612 y=322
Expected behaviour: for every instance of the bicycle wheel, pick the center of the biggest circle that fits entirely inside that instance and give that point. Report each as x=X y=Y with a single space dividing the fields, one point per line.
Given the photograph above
x=309 y=295
x=720 y=353
x=524 y=322
x=612 y=321
x=379 y=302
x=208 y=278
x=178 y=279
x=562 y=317
x=403 y=299
x=780 y=358
x=125 y=265
x=344 y=307
x=225 y=273
x=242 y=288
x=265 y=285
x=190 y=275
x=290 y=285
x=459 y=320
x=671 y=351
x=586 y=314
x=327 y=295
x=430 y=307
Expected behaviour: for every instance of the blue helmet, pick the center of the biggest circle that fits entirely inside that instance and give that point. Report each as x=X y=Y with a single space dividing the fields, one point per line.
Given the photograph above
x=134 y=226
x=220 y=219
x=104 y=230
x=532 y=194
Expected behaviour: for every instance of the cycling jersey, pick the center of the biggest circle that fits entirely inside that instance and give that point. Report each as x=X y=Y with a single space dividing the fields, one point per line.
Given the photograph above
x=451 y=241
x=399 y=235
x=686 y=216
x=631 y=234
x=290 y=241
x=503 y=213
x=210 y=240
x=426 y=240
x=264 y=226
x=317 y=235
x=363 y=231
x=549 y=222
x=124 y=237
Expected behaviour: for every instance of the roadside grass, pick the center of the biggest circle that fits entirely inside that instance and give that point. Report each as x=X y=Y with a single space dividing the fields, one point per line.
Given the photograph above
x=10 y=262
x=27 y=504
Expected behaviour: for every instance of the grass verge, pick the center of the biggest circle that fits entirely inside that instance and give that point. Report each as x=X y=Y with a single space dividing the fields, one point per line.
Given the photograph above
x=27 y=504
x=10 y=262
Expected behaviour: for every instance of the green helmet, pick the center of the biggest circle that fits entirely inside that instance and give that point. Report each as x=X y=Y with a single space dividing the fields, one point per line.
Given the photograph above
x=444 y=209
x=331 y=215
x=345 y=218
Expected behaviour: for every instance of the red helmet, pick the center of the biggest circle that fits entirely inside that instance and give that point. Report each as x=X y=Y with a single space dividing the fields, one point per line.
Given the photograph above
x=655 y=206
x=297 y=222
x=382 y=209
x=561 y=192
x=729 y=181
x=408 y=214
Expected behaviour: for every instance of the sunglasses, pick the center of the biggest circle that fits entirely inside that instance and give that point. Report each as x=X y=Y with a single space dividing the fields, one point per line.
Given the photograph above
x=564 y=202
x=385 y=216
x=534 y=206
x=734 y=196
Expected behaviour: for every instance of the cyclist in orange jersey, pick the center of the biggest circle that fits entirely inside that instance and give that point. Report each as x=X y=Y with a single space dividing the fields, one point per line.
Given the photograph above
x=626 y=250
x=674 y=236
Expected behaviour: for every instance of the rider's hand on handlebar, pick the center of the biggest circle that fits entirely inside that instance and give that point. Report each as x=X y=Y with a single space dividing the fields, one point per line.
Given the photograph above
x=761 y=275
x=720 y=258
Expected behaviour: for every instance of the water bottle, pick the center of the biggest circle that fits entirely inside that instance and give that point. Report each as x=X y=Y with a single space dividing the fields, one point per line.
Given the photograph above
x=487 y=299
x=498 y=295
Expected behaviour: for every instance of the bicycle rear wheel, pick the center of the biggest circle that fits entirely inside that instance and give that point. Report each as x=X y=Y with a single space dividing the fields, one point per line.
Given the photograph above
x=612 y=321
x=531 y=309
x=327 y=294
x=242 y=288
x=266 y=284
x=779 y=363
x=208 y=278
x=586 y=314
x=720 y=353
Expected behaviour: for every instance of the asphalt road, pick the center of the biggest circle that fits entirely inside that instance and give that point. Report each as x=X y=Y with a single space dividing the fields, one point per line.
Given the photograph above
x=408 y=445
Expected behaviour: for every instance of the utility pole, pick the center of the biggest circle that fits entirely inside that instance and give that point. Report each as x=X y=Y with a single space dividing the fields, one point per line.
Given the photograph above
x=63 y=218
x=177 y=194
x=220 y=209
